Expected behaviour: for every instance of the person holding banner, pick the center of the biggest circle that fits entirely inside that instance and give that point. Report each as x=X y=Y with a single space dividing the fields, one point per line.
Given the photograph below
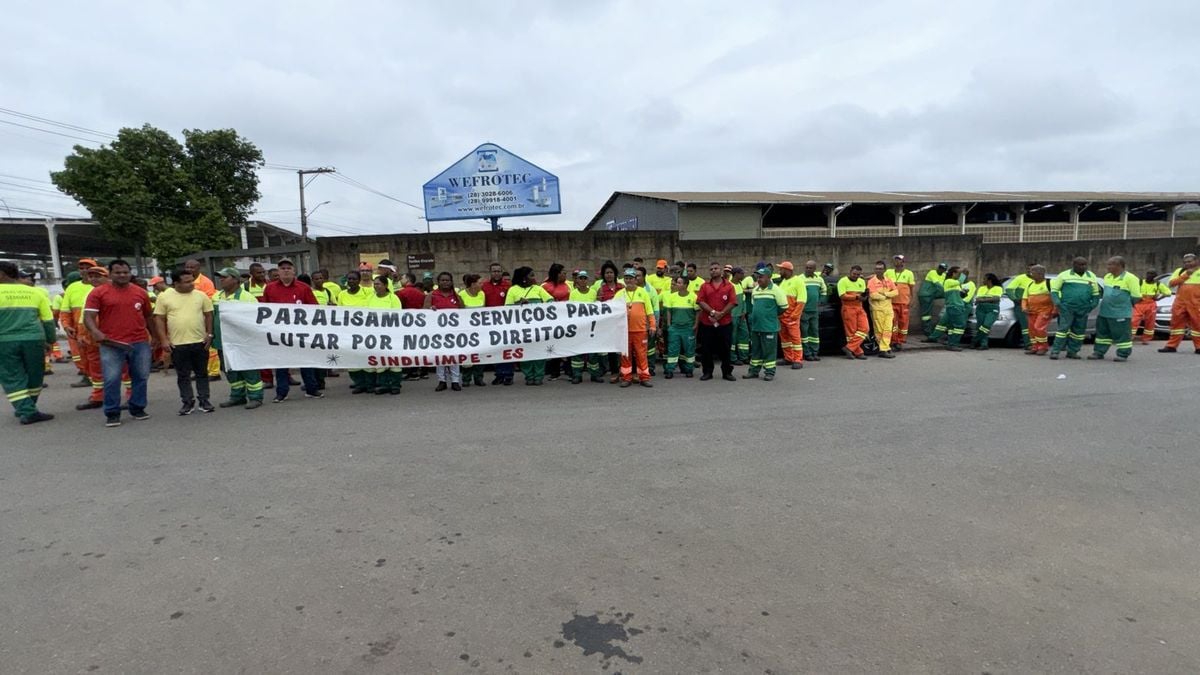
x=584 y=291
x=472 y=295
x=356 y=295
x=494 y=290
x=524 y=291
x=641 y=328
x=606 y=288
x=245 y=386
x=287 y=290
x=384 y=380
x=445 y=297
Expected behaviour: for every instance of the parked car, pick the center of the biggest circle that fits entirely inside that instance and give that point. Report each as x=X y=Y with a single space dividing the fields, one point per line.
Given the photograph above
x=1162 y=315
x=1006 y=331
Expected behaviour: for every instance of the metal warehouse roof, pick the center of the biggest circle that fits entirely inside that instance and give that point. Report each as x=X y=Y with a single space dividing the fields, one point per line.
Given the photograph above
x=909 y=197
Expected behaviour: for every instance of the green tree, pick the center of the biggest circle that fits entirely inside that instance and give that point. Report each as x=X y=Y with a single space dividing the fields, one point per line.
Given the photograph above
x=164 y=198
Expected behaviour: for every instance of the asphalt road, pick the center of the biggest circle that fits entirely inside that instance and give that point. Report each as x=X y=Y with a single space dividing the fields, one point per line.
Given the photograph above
x=963 y=513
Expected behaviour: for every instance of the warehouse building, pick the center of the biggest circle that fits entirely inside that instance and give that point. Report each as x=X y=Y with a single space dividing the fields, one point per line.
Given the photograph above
x=997 y=216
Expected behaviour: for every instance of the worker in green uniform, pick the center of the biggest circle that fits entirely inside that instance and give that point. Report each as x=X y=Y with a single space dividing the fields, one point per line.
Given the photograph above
x=1122 y=291
x=1075 y=293
x=1016 y=291
x=931 y=289
x=739 y=352
x=767 y=303
x=26 y=332
x=953 y=322
x=679 y=313
x=815 y=294
x=585 y=291
x=987 y=308
x=245 y=386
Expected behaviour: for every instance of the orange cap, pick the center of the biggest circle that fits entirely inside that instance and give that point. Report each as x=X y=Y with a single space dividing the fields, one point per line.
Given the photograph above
x=87 y=261
x=661 y=263
x=155 y=280
x=98 y=270
x=785 y=265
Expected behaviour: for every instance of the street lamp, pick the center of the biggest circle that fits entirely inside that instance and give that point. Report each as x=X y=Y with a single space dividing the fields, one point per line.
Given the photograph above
x=314 y=209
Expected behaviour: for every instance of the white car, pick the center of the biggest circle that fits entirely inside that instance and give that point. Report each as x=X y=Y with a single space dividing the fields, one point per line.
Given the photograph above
x=1006 y=331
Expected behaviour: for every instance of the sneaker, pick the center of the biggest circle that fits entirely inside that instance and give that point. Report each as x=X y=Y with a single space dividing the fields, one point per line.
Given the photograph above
x=206 y=407
x=646 y=384
x=251 y=405
x=1164 y=350
x=315 y=394
x=454 y=386
x=90 y=405
x=441 y=386
x=231 y=403
x=37 y=417
x=187 y=408
x=497 y=380
x=139 y=415
x=112 y=421
x=626 y=383
x=279 y=399
x=705 y=377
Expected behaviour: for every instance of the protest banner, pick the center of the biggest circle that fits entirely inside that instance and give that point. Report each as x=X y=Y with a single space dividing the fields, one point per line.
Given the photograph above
x=269 y=335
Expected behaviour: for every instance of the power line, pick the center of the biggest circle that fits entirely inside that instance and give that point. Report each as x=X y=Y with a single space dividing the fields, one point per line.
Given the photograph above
x=62 y=125
x=31 y=180
x=363 y=186
x=48 y=131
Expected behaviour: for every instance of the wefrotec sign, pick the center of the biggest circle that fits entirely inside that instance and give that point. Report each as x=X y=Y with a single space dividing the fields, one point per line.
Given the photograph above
x=491 y=182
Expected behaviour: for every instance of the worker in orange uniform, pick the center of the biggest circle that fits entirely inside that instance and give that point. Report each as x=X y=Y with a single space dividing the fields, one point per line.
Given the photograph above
x=882 y=291
x=207 y=287
x=90 y=350
x=1185 y=313
x=1039 y=308
x=641 y=327
x=75 y=289
x=789 y=322
x=851 y=290
x=1144 y=311
x=905 y=283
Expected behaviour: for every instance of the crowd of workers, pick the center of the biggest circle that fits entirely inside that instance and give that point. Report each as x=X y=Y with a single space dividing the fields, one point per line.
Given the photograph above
x=120 y=328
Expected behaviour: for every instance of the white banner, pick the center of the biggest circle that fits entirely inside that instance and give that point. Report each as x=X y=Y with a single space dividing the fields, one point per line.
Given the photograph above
x=270 y=335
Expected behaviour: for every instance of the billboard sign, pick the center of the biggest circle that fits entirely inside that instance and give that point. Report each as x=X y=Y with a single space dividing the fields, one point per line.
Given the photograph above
x=491 y=182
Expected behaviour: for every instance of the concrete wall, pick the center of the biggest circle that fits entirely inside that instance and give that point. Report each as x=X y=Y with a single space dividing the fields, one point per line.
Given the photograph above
x=1140 y=254
x=719 y=222
x=652 y=214
x=474 y=251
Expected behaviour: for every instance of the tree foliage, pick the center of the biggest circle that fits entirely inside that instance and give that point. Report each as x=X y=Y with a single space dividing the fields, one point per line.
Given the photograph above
x=147 y=189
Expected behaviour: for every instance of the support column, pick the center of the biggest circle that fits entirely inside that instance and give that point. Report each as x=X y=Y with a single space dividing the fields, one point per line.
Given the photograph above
x=1073 y=218
x=1123 y=209
x=898 y=213
x=960 y=210
x=1018 y=211
x=1170 y=215
x=56 y=261
x=245 y=242
x=831 y=214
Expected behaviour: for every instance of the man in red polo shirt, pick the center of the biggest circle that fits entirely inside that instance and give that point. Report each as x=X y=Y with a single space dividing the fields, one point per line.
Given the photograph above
x=494 y=291
x=287 y=290
x=716 y=299
x=116 y=316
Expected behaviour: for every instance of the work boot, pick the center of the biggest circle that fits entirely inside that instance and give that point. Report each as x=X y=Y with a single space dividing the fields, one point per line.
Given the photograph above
x=768 y=377
x=441 y=386
x=646 y=384
x=597 y=378
x=455 y=386
x=669 y=375
x=814 y=357
x=90 y=405
x=251 y=405
x=849 y=354
x=1053 y=356
x=1095 y=357
x=727 y=378
x=479 y=380
x=899 y=346
x=394 y=391
x=886 y=355
x=750 y=376
x=232 y=403
x=85 y=382
x=1120 y=359
x=796 y=365
x=1164 y=350
x=37 y=417
x=1073 y=356
x=953 y=348
x=626 y=383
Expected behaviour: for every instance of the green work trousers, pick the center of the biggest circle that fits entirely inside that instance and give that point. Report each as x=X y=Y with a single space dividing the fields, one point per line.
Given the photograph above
x=763 y=351
x=740 y=349
x=1072 y=329
x=1111 y=332
x=22 y=369
x=985 y=316
x=681 y=350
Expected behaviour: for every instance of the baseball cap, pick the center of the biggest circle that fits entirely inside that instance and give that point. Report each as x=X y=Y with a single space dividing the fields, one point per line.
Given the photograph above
x=87 y=261
x=661 y=263
x=285 y=261
x=228 y=272
x=581 y=273
x=737 y=270
x=155 y=280
x=943 y=265
x=630 y=272
x=728 y=268
x=98 y=270
x=786 y=265
x=26 y=273
x=899 y=257
x=829 y=265
x=762 y=270
x=427 y=275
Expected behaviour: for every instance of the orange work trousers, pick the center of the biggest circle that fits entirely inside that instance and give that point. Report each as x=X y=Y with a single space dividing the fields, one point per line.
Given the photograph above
x=854 y=322
x=637 y=351
x=1143 y=317
x=1039 y=321
x=94 y=371
x=900 y=319
x=1185 y=314
x=789 y=332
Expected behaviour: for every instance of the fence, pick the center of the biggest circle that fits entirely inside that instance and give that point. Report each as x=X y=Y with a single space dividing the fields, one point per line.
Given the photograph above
x=1003 y=233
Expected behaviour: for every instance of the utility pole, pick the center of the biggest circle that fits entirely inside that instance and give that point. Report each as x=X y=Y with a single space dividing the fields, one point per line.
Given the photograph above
x=304 y=212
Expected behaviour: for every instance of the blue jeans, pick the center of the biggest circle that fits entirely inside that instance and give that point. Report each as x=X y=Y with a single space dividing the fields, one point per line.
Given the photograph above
x=283 y=385
x=112 y=363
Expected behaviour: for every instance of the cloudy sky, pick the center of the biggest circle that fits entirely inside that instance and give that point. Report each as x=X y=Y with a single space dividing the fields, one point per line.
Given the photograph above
x=622 y=95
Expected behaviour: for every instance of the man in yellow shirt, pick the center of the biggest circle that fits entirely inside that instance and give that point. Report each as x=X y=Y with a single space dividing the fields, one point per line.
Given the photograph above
x=183 y=317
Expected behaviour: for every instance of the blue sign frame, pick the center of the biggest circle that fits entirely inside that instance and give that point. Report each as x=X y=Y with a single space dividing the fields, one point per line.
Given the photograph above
x=491 y=182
